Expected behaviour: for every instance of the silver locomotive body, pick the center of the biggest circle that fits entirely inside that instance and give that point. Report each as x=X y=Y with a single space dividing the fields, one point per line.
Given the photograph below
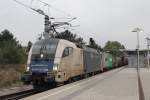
x=53 y=61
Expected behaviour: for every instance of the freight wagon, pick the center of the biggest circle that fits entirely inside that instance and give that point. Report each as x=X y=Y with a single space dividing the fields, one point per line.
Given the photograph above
x=107 y=61
x=91 y=60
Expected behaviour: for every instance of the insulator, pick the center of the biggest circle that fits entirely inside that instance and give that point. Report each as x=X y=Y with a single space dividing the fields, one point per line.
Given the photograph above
x=46 y=17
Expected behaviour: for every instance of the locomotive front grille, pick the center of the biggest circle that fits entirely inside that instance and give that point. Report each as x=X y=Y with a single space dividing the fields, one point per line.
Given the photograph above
x=43 y=77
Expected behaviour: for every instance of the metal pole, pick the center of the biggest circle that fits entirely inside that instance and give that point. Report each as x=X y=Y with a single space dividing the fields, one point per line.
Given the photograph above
x=147 y=51
x=138 y=46
x=137 y=30
x=148 y=55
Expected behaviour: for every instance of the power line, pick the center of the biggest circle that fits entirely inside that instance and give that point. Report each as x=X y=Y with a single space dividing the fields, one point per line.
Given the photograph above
x=50 y=27
x=49 y=5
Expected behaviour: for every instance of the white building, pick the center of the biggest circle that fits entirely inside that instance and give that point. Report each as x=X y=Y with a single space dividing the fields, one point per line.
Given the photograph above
x=132 y=58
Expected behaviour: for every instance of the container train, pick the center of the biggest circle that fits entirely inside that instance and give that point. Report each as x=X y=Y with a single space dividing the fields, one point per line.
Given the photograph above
x=56 y=61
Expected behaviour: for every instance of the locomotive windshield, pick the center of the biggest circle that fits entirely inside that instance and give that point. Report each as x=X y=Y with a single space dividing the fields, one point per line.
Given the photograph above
x=46 y=48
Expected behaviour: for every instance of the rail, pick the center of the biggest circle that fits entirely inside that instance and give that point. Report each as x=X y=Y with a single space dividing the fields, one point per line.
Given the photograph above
x=19 y=95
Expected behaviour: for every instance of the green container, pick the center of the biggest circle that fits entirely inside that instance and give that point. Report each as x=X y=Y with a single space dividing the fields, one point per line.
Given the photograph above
x=108 y=60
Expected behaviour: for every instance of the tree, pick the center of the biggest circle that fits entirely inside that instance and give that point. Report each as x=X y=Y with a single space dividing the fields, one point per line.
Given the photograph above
x=6 y=35
x=29 y=46
x=94 y=45
x=10 y=49
x=67 y=35
x=114 y=47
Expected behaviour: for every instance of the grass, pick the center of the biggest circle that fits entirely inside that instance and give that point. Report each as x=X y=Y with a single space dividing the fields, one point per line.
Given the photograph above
x=10 y=75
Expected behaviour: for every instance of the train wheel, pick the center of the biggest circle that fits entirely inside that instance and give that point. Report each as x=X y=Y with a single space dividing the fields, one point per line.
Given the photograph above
x=38 y=87
x=43 y=86
x=85 y=75
x=59 y=84
x=27 y=83
x=68 y=81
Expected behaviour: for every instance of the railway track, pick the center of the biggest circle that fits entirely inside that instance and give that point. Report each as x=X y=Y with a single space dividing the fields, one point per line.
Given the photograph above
x=19 y=95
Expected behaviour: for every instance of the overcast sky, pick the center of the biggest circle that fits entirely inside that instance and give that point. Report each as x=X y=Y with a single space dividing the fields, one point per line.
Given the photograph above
x=101 y=19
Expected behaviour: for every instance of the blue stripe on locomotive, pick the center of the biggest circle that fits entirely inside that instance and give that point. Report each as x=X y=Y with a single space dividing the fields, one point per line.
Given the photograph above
x=41 y=66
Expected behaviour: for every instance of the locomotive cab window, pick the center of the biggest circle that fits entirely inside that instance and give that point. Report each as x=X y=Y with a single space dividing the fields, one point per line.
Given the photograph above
x=70 y=50
x=67 y=51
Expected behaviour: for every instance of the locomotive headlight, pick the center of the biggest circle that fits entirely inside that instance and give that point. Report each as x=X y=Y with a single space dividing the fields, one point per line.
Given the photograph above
x=27 y=67
x=55 y=67
x=42 y=55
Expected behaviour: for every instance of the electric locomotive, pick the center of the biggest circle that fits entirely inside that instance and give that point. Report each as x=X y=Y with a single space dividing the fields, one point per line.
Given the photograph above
x=53 y=61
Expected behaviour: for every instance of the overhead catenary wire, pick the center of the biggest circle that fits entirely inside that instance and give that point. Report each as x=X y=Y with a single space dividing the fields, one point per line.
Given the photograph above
x=42 y=12
x=49 y=25
x=27 y=6
x=49 y=5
